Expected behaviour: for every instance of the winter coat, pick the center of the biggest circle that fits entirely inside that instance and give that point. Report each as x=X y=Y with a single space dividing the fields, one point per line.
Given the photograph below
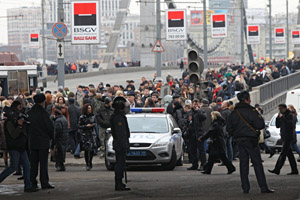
x=41 y=129
x=61 y=137
x=197 y=125
x=215 y=136
x=120 y=132
x=74 y=114
x=225 y=114
x=14 y=135
x=103 y=116
x=87 y=134
x=237 y=127
x=208 y=111
x=287 y=125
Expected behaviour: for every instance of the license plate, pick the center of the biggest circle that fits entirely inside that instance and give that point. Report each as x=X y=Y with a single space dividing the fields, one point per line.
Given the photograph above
x=137 y=153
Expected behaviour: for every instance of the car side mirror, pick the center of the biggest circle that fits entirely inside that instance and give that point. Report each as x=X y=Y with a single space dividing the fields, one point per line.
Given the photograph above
x=176 y=130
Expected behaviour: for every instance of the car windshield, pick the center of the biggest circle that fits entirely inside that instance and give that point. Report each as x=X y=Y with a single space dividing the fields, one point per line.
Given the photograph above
x=148 y=125
x=273 y=122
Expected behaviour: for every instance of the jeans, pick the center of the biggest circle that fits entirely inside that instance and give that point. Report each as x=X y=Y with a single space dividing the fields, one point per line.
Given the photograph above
x=296 y=148
x=77 y=150
x=15 y=157
x=229 y=151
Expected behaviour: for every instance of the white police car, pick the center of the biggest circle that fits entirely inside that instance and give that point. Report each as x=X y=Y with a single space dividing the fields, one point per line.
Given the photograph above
x=275 y=141
x=155 y=138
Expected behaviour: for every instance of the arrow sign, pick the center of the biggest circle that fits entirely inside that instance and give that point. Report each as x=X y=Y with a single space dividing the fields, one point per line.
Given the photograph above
x=60 y=49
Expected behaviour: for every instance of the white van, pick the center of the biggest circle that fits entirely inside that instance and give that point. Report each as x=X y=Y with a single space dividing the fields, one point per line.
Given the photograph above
x=293 y=98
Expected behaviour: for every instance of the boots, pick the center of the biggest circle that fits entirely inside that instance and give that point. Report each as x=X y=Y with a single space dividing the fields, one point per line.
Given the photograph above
x=121 y=186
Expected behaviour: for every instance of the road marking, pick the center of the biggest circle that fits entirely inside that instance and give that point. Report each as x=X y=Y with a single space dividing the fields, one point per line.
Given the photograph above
x=115 y=198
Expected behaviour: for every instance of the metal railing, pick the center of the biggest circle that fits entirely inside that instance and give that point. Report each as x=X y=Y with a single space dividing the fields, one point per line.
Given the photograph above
x=275 y=88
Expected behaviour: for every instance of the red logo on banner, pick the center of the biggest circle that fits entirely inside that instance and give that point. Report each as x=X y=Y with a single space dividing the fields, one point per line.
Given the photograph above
x=218 y=21
x=85 y=14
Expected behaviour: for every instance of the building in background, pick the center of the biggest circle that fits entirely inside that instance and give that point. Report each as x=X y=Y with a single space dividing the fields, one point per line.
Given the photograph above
x=20 y=23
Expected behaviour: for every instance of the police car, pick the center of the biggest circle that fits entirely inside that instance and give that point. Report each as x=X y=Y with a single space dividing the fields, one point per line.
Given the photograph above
x=275 y=141
x=155 y=138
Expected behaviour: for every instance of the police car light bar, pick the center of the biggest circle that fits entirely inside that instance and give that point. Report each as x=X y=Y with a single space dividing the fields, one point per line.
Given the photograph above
x=149 y=110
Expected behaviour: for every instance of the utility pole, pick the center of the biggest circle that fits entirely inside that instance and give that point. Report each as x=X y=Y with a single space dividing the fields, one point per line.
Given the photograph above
x=287 y=30
x=204 y=34
x=242 y=32
x=270 y=28
x=158 y=37
x=44 y=69
x=60 y=61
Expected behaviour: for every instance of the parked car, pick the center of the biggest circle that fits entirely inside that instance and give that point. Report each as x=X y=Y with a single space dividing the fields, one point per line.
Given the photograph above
x=274 y=142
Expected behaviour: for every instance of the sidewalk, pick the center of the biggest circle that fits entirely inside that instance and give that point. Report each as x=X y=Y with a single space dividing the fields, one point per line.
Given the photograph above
x=71 y=161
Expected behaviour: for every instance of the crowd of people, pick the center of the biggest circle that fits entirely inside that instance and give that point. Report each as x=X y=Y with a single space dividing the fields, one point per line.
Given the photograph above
x=74 y=121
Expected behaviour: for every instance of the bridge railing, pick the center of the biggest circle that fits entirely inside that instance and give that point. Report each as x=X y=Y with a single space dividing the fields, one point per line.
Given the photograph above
x=270 y=94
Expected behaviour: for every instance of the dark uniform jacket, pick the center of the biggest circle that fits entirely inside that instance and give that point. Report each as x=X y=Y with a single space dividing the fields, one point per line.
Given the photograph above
x=238 y=128
x=286 y=123
x=41 y=129
x=120 y=132
x=197 y=125
x=215 y=137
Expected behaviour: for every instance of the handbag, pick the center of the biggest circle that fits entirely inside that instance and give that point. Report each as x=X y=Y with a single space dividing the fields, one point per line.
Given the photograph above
x=257 y=133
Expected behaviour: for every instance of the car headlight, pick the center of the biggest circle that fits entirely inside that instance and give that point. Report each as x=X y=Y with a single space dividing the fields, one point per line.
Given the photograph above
x=161 y=143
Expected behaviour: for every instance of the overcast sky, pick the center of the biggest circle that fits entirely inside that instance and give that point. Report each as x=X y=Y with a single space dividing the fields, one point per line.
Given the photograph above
x=278 y=6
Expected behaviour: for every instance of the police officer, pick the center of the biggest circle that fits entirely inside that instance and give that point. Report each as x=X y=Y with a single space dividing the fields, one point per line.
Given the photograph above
x=121 y=134
x=244 y=123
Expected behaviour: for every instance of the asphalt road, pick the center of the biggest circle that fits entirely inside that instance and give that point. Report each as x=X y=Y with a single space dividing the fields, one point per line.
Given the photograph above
x=113 y=79
x=154 y=183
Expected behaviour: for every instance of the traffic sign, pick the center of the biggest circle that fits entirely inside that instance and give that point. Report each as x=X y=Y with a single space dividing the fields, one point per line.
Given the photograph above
x=158 y=47
x=60 y=50
x=59 y=30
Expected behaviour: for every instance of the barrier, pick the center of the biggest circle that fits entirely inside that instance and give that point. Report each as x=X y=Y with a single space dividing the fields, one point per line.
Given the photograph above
x=270 y=94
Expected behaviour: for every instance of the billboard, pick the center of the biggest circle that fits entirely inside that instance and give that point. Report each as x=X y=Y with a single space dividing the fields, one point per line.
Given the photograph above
x=253 y=34
x=197 y=16
x=279 y=36
x=295 y=37
x=176 y=25
x=85 y=22
x=218 y=25
x=34 y=40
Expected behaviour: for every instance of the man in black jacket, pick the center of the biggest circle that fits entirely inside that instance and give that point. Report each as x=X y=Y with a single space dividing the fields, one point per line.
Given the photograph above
x=103 y=115
x=74 y=114
x=244 y=124
x=285 y=122
x=16 y=142
x=121 y=134
x=196 y=129
x=41 y=131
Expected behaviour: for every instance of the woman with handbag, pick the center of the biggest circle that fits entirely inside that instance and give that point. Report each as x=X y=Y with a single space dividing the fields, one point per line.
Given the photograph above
x=294 y=144
x=86 y=128
x=216 y=141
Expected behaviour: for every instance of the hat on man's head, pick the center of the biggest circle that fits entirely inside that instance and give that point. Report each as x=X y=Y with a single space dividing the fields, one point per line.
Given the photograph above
x=131 y=93
x=39 y=98
x=175 y=96
x=204 y=101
